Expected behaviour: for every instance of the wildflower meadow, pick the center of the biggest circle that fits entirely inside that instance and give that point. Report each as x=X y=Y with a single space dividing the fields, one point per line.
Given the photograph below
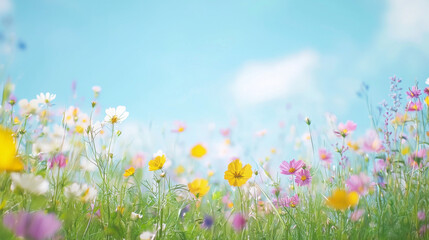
x=223 y=120
x=65 y=175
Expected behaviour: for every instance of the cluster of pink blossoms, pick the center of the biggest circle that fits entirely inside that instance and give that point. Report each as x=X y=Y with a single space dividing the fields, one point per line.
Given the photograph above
x=296 y=168
x=286 y=201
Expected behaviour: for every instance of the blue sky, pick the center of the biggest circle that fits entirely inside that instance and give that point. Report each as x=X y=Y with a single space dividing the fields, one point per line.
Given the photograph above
x=202 y=61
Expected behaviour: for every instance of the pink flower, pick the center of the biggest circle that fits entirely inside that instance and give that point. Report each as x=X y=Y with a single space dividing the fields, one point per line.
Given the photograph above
x=36 y=225
x=325 y=156
x=138 y=161
x=290 y=168
x=292 y=201
x=415 y=159
x=421 y=215
x=225 y=132
x=303 y=177
x=356 y=215
x=286 y=201
x=276 y=191
x=345 y=129
x=414 y=106
x=372 y=142
x=359 y=183
x=238 y=222
x=414 y=92
x=380 y=165
x=60 y=160
x=423 y=229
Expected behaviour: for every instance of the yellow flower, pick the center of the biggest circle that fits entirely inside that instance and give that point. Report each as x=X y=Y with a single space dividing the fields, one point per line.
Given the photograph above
x=198 y=151
x=237 y=175
x=8 y=160
x=129 y=172
x=180 y=170
x=199 y=187
x=79 y=129
x=427 y=100
x=353 y=146
x=405 y=150
x=157 y=163
x=342 y=200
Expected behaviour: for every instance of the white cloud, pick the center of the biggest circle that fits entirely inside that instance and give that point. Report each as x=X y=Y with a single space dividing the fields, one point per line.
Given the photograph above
x=5 y=6
x=259 y=82
x=407 y=20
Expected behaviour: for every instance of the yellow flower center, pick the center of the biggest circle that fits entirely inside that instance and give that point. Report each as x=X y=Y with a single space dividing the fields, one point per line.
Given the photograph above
x=291 y=170
x=114 y=119
x=303 y=177
x=323 y=156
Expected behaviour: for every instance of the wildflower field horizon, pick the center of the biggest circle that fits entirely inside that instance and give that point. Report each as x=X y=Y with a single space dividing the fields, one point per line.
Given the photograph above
x=63 y=179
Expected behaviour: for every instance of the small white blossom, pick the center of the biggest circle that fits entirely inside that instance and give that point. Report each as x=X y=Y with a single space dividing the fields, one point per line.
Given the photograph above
x=135 y=216
x=46 y=98
x=117 y=115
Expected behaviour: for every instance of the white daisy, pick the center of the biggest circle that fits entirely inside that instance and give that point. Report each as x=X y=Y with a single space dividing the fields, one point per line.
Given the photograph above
x=28 y=107
x=35 y=184
x=427 y=81
x=116 y=115
x=46 y=98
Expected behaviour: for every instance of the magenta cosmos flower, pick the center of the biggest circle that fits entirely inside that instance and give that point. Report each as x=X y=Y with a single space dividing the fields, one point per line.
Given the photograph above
x=325 y=156
x=238 y=222
x=414 y=92
x=303 y=177
x=359 y=183
x=293 y=201
x=414 y=106
x=346 y=129
x=60 y=160
x=37 y=225
x=290 y=168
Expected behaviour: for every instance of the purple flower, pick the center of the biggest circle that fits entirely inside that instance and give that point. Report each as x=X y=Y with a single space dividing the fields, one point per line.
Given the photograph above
x=238 y=222
x=303 y=177
x=207 y=222
x=184 y=210
x=414 y=92
x=37 y=225
x=60 y=160
x=289 y=168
